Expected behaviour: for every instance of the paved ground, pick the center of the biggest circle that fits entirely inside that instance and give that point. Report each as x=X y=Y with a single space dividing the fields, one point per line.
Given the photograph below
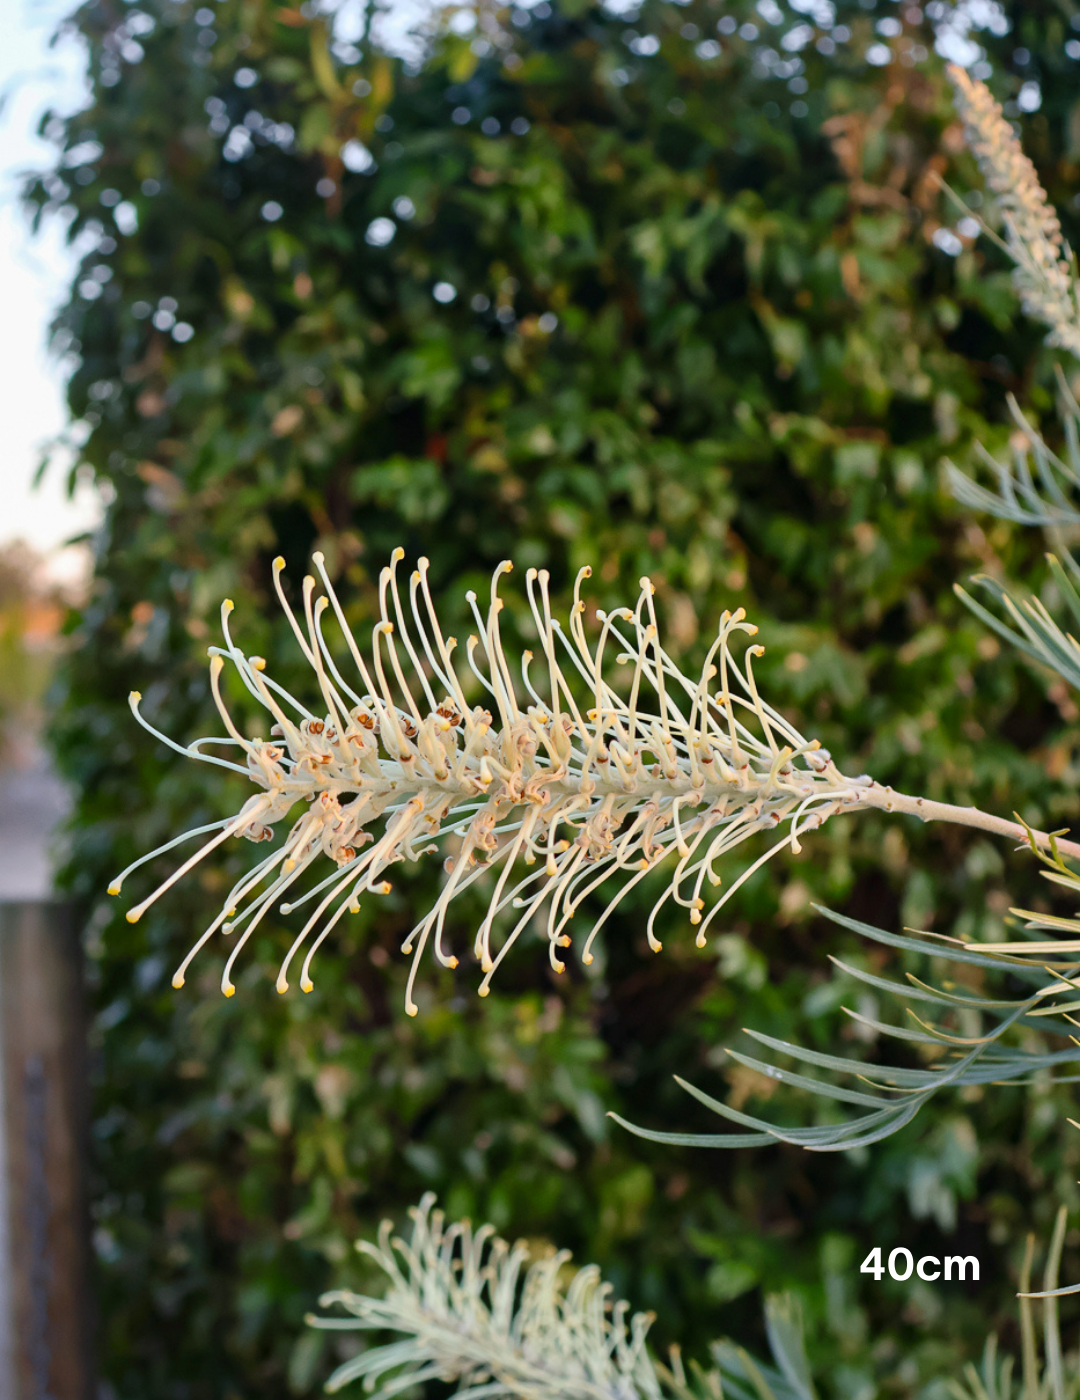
x=33 y=802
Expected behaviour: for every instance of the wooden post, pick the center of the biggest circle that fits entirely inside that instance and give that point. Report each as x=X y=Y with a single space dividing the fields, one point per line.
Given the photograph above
x=44 y=1255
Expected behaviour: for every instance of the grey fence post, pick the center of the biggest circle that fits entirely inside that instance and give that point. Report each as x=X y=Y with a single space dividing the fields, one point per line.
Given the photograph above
x=44 y=1276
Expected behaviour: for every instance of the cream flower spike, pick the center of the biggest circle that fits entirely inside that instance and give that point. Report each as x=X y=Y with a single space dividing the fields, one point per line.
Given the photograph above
x=552 y=786
x=1045 y=270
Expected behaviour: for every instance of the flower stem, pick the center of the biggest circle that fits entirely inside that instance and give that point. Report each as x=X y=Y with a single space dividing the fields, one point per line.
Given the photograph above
x=888 y=800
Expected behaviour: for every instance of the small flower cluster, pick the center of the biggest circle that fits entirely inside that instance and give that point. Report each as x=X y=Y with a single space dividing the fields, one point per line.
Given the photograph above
x=556 y=772
x=1044 y=264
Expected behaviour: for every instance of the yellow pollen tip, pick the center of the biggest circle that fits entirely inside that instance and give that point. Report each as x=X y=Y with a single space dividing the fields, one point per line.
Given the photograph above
x=385 y=887
x=135 y=697
x=695 y=916
x=227 y=605
x=354 y=908
x=700 y=940
x=281 y=986
x=560 y=967
x=114 y=889
x=279 y=564
x=229 y=991
x=178 y=981
x=587 y=959
x=398 y=554
x=483 y=991
x=132 y=916
x=307 y=985
x=451 y=963
x=411 y=1010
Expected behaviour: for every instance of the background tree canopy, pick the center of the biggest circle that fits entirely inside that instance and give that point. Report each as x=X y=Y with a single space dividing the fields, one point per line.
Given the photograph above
x=656 y=291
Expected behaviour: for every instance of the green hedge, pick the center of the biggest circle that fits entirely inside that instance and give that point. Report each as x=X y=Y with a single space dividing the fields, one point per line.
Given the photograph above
x=699 y=330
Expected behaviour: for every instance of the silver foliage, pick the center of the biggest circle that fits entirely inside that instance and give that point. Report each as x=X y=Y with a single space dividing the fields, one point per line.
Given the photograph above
x=466 y=1307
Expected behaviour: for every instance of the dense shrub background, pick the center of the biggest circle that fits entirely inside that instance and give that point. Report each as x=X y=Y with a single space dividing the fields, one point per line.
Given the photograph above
x=700 y=330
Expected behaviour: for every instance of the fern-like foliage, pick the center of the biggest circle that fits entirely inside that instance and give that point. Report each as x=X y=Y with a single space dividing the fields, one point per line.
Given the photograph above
x=891 y=1095
x=465 y=1309
x=1042 y=489
x=1036 y=486
x=1036 y=633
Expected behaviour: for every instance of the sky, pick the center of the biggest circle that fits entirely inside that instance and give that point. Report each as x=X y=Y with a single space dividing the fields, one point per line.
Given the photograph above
x=34 y=272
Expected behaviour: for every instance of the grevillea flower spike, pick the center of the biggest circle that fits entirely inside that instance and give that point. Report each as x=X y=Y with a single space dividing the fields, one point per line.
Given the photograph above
x=553 y=785
x=1045 y=271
